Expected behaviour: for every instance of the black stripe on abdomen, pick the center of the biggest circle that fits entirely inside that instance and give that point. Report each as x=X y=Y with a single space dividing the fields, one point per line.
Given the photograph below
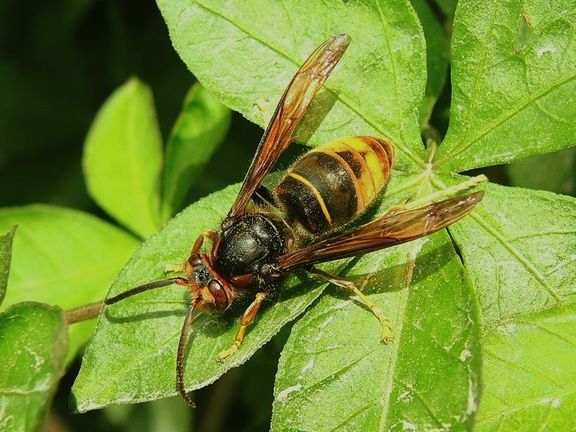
x=332 y=186
x=301 y=204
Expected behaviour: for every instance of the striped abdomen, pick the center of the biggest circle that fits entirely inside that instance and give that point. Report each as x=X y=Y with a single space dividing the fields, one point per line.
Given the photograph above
x=334 y=183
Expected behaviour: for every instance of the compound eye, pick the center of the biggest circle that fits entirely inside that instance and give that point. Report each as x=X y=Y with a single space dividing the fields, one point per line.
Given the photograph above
x=219 y=293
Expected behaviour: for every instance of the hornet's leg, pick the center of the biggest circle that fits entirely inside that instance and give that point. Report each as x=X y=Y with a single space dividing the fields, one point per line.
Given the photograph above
x=387 y=333
x=211 y=234
x=247 y=318
x=179 y=268
x=437 y=196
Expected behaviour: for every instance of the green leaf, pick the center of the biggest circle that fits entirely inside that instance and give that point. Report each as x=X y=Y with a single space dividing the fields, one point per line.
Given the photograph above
x=198 y=132
x=123 y=158
x=135 y=342
x=245 y=53
x=530 y=373
x=436 y=58
x=63 y=257
x=514 y=79
x=555 y=172
x=335 y=374
x=5 y=258
x=32 y=352
x=520 y=249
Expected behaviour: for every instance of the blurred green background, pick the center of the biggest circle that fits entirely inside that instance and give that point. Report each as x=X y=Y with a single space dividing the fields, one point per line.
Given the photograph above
x=59 y=61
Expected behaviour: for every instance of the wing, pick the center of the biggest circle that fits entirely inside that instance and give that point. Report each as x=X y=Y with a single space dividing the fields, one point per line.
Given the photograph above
x=391 y=229
x=292 y=106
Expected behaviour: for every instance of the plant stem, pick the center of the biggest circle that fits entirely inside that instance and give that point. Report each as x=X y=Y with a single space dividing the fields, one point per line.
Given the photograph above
x=83 y=313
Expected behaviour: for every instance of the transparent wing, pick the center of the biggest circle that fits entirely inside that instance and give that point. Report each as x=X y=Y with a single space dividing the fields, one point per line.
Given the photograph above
x=292 y=106
x=391 y=229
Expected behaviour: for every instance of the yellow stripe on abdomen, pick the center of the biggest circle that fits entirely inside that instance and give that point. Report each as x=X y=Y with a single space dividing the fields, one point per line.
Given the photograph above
x=316 y=194
x=333 y=184
x=370 y=159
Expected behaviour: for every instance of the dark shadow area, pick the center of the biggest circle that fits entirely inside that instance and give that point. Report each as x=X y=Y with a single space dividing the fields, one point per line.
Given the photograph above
x=117 y=319
x=397 y=272
x=58 y=63
x=174 y=309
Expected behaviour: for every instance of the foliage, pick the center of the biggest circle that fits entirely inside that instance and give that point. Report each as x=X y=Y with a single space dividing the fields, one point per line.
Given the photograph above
x=476 y=309
x=32 y=351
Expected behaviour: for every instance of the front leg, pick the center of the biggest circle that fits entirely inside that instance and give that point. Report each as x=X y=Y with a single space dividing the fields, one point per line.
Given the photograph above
x=212 y=235
x=247 y=318
x=181 y=268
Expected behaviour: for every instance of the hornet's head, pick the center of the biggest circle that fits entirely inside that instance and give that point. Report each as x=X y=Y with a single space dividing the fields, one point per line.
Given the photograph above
x=212 y=293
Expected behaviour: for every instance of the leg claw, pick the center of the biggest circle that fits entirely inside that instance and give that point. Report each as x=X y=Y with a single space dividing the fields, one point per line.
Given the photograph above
x=387 y=333
x=387 y=336
x=226 y=354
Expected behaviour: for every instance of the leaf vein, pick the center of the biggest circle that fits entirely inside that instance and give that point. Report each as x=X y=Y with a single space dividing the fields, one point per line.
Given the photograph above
x=422 y=400
x=545 y=419
x=459 y=149
x=535 y=373
x=356 y=413
x=543 y=234
x=526 y=263
x=511 y=409
x=550 y=331
x=391 y=369
x=136 y=177
x=337 y=373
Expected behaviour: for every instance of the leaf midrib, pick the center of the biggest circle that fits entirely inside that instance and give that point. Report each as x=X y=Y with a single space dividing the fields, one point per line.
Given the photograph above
x=474 y=92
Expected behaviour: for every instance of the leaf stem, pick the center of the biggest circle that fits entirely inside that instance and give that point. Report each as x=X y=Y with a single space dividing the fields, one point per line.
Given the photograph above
x=83 y=313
